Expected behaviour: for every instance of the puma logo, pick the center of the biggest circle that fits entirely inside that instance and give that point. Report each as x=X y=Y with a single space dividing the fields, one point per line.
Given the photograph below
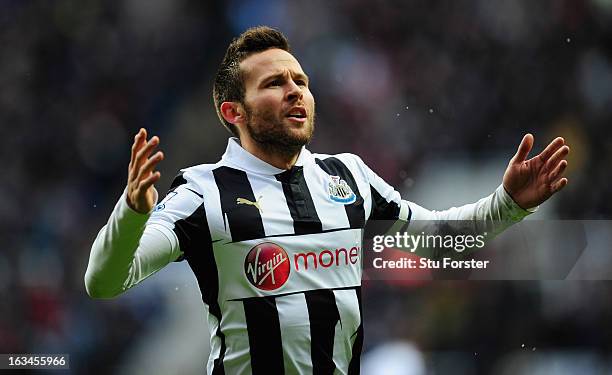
x=246 y=201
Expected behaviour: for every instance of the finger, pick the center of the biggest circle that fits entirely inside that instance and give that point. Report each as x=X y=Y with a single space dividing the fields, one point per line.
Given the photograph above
x=558 y=171
x=561 y=153
x=551 y=148
x=523 y=149
x=558 y=185
x=149 y=165
x=138 y=139
x=145 y=184
x=145 y=151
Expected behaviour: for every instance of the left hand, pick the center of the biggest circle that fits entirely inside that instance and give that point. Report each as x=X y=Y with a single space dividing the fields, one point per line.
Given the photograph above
x=531 y=182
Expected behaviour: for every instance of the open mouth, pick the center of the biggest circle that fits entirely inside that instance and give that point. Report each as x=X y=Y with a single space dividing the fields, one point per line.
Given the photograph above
x=297 y=113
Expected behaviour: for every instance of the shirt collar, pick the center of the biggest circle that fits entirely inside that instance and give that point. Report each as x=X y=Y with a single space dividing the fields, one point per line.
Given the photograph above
x=239 y=157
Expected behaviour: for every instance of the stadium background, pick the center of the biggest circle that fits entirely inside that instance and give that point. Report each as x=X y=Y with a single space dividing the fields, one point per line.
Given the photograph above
x=433 y=95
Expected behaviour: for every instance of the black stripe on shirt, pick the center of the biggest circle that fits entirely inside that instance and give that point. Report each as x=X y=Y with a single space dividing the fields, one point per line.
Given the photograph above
x=354 y=211
x=355 y=365
x=323 y=315
x=178 y=181
x=381 y=209
x=195 y=241
x=265 y=343
x=299 y=201
x=244 y=220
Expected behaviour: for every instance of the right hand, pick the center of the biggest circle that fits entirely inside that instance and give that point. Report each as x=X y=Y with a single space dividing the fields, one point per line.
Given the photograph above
x=141 y=194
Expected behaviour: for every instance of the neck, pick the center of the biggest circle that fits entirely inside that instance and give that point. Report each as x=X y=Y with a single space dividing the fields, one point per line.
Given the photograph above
x=282 y=157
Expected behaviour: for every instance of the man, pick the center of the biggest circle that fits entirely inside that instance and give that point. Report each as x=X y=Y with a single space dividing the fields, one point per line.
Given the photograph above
x=273 y=232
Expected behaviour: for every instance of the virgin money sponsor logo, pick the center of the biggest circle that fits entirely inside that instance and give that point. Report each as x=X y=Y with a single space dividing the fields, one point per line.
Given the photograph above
x=267 y=266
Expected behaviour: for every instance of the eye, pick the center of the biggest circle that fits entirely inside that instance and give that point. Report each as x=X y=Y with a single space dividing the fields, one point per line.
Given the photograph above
x=301 y=82
x=276 y=82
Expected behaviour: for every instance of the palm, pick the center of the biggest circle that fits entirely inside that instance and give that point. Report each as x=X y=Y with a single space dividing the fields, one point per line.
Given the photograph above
x=531 y=182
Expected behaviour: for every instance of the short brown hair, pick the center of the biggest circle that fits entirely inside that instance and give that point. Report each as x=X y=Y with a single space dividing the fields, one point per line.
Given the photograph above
x=229 y=81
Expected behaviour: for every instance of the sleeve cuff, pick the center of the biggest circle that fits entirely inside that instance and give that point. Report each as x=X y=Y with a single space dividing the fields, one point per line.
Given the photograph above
x=511 y=208
x=127 y=214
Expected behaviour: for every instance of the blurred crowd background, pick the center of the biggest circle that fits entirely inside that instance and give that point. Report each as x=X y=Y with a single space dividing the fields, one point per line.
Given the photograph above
x=433 y=95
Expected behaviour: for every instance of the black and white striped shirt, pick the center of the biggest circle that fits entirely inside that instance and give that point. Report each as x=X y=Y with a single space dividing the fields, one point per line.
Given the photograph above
x=277 y=254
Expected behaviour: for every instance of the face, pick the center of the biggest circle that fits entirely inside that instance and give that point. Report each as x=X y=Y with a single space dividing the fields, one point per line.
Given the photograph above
x=279 y=107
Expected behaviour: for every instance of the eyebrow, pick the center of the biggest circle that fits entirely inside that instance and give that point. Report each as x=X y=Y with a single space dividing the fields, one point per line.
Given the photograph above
x=296 y=75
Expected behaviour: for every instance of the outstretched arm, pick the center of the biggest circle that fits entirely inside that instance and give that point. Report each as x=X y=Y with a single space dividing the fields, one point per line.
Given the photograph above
x=126 y=250
x=526 y=185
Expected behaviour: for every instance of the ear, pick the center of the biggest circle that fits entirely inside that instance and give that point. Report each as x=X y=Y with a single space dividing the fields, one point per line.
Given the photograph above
x=233 y=113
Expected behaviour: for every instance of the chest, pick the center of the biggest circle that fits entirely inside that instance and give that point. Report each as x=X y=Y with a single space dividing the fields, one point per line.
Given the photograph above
x=302 y=201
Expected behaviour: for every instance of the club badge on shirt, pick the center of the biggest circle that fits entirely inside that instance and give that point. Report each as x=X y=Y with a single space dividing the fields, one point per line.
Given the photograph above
x=162 y=204
x=339 y=191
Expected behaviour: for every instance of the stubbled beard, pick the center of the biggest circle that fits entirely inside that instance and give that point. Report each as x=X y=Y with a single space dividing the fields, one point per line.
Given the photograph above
x=272 y=135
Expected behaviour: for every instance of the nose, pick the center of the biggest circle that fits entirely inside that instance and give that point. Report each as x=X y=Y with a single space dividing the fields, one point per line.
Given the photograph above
x=294 y=91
